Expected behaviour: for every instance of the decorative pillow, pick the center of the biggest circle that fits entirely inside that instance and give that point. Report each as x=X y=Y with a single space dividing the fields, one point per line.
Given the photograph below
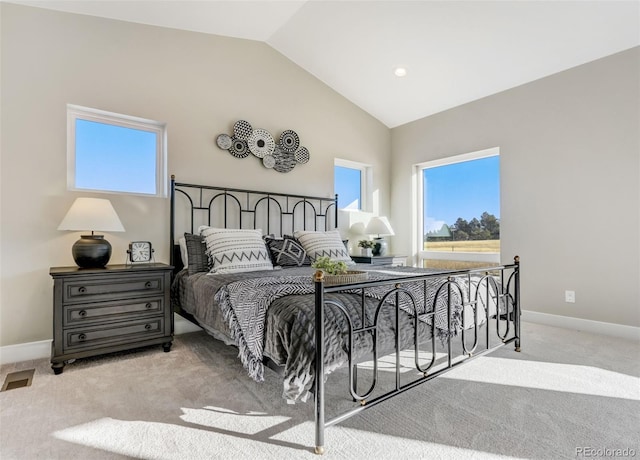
x=235 y=250
x=286 y=252
x=319 y=244
x=197 y=261
x=182 y=242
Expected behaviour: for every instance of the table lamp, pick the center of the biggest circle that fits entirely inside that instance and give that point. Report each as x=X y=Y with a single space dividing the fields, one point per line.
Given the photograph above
x=91 y=214
x=381 y=227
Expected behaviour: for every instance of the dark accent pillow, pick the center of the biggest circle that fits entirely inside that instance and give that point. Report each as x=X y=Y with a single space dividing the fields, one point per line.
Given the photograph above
x=307 y=260
x=196 y=254
x=286 y=252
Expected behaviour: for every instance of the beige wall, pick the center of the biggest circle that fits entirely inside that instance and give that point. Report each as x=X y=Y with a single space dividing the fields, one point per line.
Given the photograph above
x=198 y=84
x=569 y=143
x=570 y=175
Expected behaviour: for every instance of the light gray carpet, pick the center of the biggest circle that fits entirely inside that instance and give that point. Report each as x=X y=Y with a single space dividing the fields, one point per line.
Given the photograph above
x=567 y=390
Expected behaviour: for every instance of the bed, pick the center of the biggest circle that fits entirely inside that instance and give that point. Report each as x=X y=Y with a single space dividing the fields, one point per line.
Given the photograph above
x=264 y=298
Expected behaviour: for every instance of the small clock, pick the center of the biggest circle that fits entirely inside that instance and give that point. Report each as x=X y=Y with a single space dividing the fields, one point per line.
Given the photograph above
x=140 y=251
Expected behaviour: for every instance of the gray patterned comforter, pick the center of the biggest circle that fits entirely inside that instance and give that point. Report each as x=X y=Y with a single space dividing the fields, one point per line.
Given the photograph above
x=271 y=313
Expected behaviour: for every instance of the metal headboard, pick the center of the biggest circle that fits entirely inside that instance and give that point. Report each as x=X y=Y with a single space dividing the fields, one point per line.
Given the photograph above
x=273 y=213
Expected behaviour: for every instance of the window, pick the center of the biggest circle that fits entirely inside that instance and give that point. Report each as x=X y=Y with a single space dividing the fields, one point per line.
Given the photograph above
x=350 y=183
x=460 y=201
x=109 y=152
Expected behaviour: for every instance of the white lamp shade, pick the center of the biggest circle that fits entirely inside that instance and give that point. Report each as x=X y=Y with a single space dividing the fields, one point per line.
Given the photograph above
x=379 y=226
x=357 y=228
x=89 y=214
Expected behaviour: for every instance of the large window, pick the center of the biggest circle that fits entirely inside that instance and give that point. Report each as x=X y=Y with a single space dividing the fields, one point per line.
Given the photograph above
x=350 y=183
x=110 y=152
x=460 y=223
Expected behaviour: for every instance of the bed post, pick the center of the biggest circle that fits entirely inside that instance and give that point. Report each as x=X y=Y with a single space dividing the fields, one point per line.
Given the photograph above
x=318 y=279
x=516 y=310
x=172 y=219
x=335 y=210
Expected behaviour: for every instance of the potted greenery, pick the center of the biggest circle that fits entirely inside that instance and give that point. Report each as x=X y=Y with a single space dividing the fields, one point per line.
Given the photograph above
x=366 y=247
x=336 y=271
x=329 y=266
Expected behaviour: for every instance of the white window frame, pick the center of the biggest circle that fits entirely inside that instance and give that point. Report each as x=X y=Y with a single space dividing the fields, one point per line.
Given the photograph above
x=76 y=112
x=490 y=257
x=366 y=181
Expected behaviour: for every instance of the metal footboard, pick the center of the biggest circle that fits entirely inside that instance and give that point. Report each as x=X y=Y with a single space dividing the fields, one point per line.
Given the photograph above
x=477 y=289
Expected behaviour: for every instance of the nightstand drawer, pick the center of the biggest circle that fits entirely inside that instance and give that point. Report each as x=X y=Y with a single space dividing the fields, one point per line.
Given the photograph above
x=78 y=314
x=111 y=287
x=81 y=338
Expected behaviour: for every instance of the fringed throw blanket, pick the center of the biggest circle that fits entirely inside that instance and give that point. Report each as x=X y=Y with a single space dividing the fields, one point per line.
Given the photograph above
x=244 y=305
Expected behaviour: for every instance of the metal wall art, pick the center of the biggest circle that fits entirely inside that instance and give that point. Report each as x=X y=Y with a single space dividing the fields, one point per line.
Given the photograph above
x=281 y=156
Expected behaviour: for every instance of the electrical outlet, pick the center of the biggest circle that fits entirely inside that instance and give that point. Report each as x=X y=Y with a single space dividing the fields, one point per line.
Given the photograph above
x=570 y=296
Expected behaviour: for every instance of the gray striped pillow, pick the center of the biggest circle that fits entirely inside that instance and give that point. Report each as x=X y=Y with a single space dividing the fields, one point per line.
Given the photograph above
x=319 y=244
x=235 y=250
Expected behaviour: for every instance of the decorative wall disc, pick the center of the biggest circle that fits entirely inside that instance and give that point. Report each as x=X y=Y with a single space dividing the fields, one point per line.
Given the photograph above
x=242 y=129
x=261 y=143
x=289 y=141
x=281 y=155
x=239 y=148
x=268 y=161
x=302 y=155
x=285 y=161
x=224 y=141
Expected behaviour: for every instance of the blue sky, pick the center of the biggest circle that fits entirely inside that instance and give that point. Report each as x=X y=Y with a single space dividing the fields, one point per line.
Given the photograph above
x=347 y=186
x=464 y=190
x=103 y=149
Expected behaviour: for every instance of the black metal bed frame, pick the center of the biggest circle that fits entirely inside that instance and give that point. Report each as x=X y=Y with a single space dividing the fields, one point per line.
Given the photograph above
x=505 y=293
x=500 y=285
x=312 y=212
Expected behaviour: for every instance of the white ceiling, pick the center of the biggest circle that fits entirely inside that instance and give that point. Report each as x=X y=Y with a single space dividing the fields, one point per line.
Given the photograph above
x=454 y=51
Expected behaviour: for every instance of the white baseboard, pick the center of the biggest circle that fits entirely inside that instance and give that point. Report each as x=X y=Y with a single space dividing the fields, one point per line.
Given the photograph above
x=42 y=349
x=25 y=351
x=182 y=326
x=579 y=324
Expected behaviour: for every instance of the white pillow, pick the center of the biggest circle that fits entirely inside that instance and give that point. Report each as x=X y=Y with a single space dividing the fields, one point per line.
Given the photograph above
x=319 y=244
x=182 y=241
x=235 y=250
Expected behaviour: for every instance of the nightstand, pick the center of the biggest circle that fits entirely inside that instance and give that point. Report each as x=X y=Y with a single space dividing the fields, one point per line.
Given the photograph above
x=392 y=260
x=103 y=310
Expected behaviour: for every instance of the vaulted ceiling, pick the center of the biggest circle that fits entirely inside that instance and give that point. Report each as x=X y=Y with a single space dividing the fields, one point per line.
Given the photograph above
x=453 y=51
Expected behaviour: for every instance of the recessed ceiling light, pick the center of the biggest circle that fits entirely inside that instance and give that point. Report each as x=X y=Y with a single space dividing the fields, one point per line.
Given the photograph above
x=400 y=71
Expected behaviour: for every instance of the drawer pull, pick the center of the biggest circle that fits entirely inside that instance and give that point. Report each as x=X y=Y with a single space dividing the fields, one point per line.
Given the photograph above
x=82 y=337
x=82 y=290
x=147 y=326
x=148 y=284
x=148 y=306
x=82 y=313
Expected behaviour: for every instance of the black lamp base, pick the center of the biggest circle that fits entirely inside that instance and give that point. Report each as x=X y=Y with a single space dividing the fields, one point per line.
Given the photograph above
x=380 y=247
x=91 y=251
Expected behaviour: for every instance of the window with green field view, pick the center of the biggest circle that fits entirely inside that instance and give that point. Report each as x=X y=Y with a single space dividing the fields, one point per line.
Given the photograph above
x=461 y=211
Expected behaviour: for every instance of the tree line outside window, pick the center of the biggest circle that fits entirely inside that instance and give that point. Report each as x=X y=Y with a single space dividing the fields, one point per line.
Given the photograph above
x=487 y=227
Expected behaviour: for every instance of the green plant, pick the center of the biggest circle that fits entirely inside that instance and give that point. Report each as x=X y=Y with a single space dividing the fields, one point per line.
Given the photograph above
x=331 y=267
x=366 y=244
